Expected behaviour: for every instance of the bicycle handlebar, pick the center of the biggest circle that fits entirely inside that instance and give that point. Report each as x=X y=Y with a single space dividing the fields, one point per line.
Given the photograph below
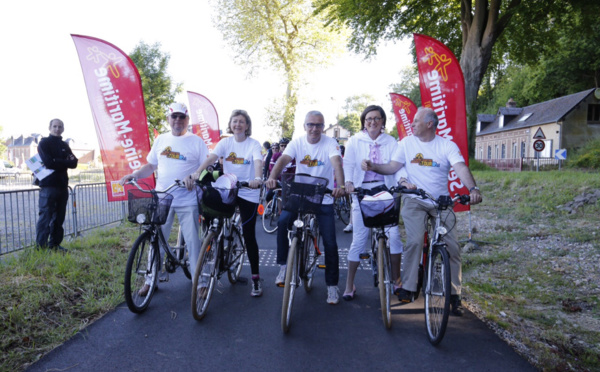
x=441 y=200
x=137 y=185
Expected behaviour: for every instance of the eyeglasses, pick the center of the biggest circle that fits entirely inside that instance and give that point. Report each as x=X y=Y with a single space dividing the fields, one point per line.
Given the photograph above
x=377 y=120
x=315 y=125
x=178 y=116
x=282 y=145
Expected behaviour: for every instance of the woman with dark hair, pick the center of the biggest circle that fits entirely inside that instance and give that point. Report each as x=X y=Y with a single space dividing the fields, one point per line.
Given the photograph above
x=374 y=144
x=242 y=157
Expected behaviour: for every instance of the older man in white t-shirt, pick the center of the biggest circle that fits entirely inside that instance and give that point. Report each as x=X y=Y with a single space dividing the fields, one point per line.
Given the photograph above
x=176 y=155
x=319 y=156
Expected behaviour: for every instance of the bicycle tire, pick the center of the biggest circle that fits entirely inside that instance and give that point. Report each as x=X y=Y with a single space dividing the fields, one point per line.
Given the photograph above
x=373 y=259
x=310 y=258
x=437 y=294
x=343 y=210
x=207 y=268
x=291 y=277
x=181 y=254
x=143 y=260
x=385 y=282
x=236 y=254
x=270 y=222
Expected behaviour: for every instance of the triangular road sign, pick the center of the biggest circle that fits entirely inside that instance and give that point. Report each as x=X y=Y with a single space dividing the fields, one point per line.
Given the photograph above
x=539 y=134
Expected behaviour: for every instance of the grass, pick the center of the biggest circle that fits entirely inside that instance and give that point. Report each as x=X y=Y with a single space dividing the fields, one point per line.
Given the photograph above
x=539 y=270
x=47 y=297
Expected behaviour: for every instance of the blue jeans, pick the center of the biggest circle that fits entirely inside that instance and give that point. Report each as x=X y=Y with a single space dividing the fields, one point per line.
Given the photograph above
x=53 y=207
x=327 y=229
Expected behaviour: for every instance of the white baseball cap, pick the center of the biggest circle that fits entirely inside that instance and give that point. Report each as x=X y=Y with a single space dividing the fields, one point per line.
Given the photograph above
x=178 y=107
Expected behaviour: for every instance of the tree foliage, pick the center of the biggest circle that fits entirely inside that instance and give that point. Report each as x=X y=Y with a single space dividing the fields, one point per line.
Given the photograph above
x=409 y=84
x=470 y=28
x=157 y=85
x=3 y=148
x=353 y=107
x=283 y=34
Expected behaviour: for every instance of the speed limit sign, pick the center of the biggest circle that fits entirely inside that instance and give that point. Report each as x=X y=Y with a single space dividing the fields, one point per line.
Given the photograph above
x=539 y=145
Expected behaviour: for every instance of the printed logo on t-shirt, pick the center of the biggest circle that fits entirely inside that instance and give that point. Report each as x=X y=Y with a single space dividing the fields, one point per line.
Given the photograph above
x=311 y=162
x=235 y=160
x=419 y=160
x=169 y=153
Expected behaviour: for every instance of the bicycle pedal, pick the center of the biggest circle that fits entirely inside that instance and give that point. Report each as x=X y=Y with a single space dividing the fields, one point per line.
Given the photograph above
x=321 y=266
x=364 y=256
x=281 y=285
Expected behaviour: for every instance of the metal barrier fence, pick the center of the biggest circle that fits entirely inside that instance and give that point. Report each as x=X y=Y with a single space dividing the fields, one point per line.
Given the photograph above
x=522 y=164
x=89 y=210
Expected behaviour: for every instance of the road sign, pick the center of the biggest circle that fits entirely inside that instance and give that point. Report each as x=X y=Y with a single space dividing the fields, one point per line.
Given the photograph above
x=560 y=154
x=539 y=134
x=539 y=145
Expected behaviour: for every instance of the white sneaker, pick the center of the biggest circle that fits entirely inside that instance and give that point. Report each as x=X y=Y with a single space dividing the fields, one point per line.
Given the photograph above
x=256 y=287
x=280 y=281
x=333 y=295
x=348 y=228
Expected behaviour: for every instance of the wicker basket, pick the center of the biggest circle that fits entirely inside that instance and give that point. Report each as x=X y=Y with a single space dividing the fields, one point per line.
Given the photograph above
x=302 y=192
x=153 y=205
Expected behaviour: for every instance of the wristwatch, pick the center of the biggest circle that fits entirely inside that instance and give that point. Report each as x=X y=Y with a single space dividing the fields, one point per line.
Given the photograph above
x=474 y=188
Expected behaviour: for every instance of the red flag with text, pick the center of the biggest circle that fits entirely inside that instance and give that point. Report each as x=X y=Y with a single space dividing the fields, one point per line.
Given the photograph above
x=115 y=93
x=443 y=89
x=205 y=121
x=404 y=109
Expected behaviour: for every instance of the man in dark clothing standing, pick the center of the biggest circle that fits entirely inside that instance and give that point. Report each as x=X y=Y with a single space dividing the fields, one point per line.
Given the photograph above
x=54 y=193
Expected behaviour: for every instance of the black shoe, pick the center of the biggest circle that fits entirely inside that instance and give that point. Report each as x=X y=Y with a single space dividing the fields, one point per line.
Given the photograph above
x=456 y=307
x=405 y=296
x=59 y=248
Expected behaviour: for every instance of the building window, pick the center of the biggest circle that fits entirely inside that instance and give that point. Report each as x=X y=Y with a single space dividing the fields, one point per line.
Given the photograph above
x=523 y=149
x=336 y=133
x=496 y=151
x=503 y=151
x=514 y=151
x=489 y=152
x=593 y=114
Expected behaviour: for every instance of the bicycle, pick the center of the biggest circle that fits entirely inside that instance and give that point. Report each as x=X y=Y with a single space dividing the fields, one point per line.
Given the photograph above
x=272 y=212
x=223 y=249
x=342 y=208
x=434 y=269
x=150 y=208
x=303 y=195
x=378 y=214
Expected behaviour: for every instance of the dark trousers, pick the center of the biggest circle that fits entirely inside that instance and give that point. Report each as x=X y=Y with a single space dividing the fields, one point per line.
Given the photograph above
x=53 y=206
x=327 y=229
x=248 y=216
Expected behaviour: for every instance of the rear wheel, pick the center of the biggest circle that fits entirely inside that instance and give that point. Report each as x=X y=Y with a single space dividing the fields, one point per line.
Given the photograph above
x=385 y=282
x=142 y=267
x=236 y=253
x=182 y=255
x=205 y=276
x=291 y=282
x=437 y=294
x=343 y=209
x=270 y=219
x=311 y=255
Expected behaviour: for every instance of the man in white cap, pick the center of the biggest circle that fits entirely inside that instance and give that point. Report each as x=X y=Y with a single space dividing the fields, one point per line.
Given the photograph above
x=176 y=155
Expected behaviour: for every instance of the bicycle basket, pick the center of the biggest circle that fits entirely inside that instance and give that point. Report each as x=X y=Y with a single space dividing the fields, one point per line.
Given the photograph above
x=153 y=205
x=217 y=202
x=381 y=209
x=302 y=192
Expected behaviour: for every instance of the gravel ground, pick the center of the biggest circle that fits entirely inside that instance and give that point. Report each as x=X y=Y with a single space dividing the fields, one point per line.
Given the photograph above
x=539 y=289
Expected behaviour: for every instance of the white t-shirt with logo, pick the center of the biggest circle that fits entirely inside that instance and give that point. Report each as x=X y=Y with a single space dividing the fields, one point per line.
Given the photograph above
x=238 y=158
x=177 y=157
x=315 y=159
x=427 y=164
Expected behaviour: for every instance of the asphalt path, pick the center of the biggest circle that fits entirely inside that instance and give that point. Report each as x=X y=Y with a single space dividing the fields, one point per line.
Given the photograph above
x=241 y=332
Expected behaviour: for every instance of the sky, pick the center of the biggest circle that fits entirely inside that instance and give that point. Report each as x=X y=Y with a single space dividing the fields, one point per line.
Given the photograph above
x=42 y=79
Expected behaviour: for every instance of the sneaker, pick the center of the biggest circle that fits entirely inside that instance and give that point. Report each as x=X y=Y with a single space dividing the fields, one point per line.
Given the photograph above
x=143 y=292
x=456 y=307
x=405 y=296
x=280 y=281
x=348 y=228
x=256 y=286
x=333 y=295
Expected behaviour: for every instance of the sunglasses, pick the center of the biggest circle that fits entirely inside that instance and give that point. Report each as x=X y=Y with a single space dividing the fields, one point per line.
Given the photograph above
x=178 y=116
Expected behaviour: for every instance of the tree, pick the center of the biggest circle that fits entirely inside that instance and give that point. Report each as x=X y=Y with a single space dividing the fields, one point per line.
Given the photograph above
x=157 y=85
x=353 y=107
x=284 y=34
x=469 y=28
x=408 y=85
x=2 y=146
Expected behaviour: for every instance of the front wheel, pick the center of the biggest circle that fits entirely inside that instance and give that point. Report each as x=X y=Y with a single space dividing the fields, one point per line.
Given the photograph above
x=385 y=282
x=270 y=217
x=291 y=278
x=344 y=209
x=437 y=294
x=142 y=268
x=236 y=253
x=205 y=276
